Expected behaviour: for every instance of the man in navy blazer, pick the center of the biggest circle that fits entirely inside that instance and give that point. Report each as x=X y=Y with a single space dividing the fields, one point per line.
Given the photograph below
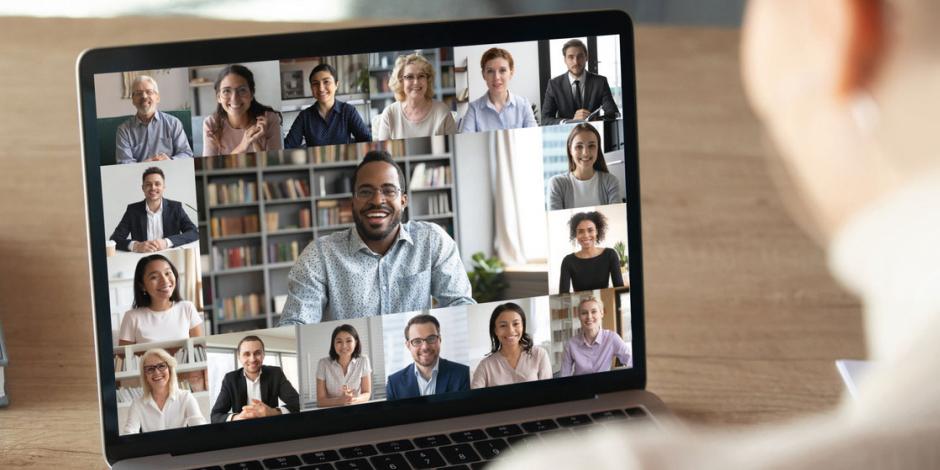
x=429 y=374
x=155 y=223
x=253 y=390
x=577 y=93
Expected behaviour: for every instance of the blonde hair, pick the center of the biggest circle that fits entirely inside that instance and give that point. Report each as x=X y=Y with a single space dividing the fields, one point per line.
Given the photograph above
x=590 y=298
x=171 y=369
x=396 y=82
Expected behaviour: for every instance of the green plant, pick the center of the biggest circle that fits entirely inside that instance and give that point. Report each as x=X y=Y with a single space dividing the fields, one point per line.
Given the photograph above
x=621 y=250
x=487 y=280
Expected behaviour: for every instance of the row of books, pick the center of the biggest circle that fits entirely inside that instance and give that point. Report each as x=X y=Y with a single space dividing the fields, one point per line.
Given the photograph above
x=227 y=162
x=334 y=212
x=234 y=225
x=239 y=192
x=199 y=355
x=235 y=257
x=283 y=252
x=430 y=176
x=240 y=307
x=439 y=204
x=273 y=220
x=291 y=188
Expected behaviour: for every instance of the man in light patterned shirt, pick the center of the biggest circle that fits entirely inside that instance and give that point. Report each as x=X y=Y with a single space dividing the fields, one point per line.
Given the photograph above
x=382 y=266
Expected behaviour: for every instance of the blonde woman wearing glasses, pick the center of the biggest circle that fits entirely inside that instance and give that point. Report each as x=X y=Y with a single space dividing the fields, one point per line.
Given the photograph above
x=414 y=113
x=163 y=404
x=240 y=123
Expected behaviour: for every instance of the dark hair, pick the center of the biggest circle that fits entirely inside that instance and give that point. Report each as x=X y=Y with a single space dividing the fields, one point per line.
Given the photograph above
x=255 y=109
x=141 y=297
x=421 y=319
x=525 y=341
x=352 y=331
x=320 y=68
x=379 y=156
x=246 y=339
x=153 y=171
x=573 y=43
x=496 y=53
x=599 y=163
x=600 y=223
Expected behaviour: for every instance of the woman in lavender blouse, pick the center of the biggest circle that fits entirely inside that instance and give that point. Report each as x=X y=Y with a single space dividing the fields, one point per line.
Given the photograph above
x=513 y=358
x=593 y=348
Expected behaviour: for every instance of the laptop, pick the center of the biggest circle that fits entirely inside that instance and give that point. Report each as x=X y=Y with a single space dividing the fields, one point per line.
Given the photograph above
x=404 y=246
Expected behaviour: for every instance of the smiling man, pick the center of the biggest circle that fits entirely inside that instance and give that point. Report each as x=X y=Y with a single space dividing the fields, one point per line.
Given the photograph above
x=253 y=390
x=381 y=265
x=156 y=223
x=150 y=135
x=577 y=93
x=430 y=374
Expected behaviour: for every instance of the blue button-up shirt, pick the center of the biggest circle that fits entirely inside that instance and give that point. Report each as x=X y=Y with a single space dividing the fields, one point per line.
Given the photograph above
x=342 y=125
x=136 y=141
x=338 y=277
x=427 y=387
x=482 y=115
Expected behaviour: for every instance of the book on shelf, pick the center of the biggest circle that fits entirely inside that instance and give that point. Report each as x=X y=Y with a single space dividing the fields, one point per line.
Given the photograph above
x=291 y=188
x=340 y=185
x=240 y=307
x=235 y=257
x=282 y=252
x=439 y=204
x=334 y=212
x=430 y=176
x=271 y=219
x=239 y=192
x=304 y=218
x=227 y=162
x=233 y=225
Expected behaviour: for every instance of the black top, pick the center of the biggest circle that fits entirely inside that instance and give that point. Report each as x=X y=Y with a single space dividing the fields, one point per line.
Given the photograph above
x=591 y=273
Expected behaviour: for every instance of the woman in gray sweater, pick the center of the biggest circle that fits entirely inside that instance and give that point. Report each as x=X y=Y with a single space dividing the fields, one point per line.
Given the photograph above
x=587 y=183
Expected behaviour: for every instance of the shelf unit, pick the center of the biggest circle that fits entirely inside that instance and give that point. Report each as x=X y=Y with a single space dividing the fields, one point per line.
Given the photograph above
x=381 y=65
x=320 y=204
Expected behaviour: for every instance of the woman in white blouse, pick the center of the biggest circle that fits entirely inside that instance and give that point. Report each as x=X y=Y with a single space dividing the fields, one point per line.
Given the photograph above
x=163 y=404
x=159 y=313
x=344 y=378
x=513 y=358
x=414 y=113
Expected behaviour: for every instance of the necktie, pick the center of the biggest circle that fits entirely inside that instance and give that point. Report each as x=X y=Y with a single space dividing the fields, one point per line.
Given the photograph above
x=577 y=94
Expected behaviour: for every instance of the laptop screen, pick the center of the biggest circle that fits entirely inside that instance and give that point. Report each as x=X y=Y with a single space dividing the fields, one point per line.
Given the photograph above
x=310 y=232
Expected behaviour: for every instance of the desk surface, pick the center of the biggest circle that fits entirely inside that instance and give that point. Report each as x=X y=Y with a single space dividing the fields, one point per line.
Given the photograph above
x=743 y=321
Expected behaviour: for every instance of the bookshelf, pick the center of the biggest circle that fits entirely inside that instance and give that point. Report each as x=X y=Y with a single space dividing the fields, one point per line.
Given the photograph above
x=191 y=371
x=262 y=210
x=381 y=65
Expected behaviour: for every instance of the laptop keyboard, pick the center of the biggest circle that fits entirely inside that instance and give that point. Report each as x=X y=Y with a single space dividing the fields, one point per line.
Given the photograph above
x=468 y=450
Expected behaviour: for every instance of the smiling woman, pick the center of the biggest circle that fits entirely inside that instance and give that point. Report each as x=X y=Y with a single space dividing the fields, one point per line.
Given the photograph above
x=414 y=113
x=163 y=404
x=513 y=357
x=240 y=123
x=588 y=182
x=159 y=313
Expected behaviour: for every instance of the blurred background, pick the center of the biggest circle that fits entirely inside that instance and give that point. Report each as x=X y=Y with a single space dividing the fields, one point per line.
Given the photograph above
x=681 y=12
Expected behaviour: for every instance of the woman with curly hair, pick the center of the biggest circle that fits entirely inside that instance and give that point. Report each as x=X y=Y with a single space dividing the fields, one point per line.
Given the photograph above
x=593 y=266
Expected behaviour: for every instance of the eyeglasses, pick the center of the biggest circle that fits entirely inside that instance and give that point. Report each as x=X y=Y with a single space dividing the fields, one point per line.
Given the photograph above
x=389 y=192
x=241 y=91
x=161 y=367
x=411 y=78
x=431 y=340
x=139 y=93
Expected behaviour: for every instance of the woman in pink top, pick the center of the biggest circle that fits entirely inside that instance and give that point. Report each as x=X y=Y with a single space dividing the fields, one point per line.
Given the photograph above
x=513 y=358
x=240 y=123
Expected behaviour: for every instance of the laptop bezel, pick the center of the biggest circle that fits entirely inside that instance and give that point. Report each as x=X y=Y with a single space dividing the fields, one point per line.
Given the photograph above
x=341 y=42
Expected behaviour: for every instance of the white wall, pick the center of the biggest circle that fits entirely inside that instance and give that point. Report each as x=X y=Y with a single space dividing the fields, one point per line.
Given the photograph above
x=559 y=246
x=474 y=195
x=174 y=92
x=525 y=80
x=121 y=185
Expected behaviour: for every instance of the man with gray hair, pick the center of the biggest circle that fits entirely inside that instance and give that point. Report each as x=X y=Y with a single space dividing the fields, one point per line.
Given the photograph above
x=150 y=135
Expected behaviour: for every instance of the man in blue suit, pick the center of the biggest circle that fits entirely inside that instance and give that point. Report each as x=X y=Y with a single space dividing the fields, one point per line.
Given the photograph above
x=429 y=374
x=155 y=223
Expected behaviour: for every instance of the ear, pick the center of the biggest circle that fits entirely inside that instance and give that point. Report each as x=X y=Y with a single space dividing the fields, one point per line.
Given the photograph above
x=865 y=44
x=404 y=201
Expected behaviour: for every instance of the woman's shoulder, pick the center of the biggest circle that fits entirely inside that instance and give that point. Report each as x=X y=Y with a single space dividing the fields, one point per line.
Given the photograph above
x=324 y=361
x=519 y=99
x=561 y=179
x=539 y=352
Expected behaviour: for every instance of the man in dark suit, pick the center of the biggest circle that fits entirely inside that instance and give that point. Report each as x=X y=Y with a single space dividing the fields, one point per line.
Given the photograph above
x=155 y=223
x=577 y=93
x=429 y=374
x=253 y=391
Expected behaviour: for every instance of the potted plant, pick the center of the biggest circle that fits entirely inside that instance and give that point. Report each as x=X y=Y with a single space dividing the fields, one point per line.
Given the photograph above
x=621 y=250
x=487 y=280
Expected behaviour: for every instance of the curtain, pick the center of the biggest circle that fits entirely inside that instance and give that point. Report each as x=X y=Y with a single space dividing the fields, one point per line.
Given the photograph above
x=519 y=196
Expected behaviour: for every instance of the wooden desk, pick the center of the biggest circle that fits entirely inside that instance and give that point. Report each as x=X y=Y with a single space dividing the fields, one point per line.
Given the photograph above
x=743 y=321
